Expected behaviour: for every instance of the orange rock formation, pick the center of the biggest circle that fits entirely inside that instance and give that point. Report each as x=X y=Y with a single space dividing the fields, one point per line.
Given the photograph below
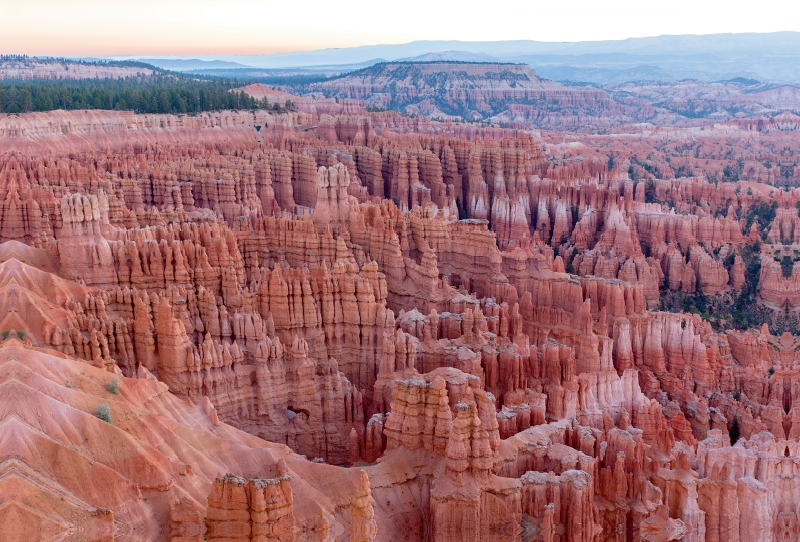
x=336 y=327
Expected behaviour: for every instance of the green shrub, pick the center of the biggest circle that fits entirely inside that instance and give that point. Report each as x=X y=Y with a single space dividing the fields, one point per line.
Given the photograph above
x=786 y=266
x=162 y=93
x=21 y=335
x=763 y=211
x=103 y=412
x=729 y=260
x=5 y=333
x=735 y=432
x=650 y=194
x=113 y=386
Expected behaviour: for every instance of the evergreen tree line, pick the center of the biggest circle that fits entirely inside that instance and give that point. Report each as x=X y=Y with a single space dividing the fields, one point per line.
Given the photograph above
x=160 y=94
x=25 y=59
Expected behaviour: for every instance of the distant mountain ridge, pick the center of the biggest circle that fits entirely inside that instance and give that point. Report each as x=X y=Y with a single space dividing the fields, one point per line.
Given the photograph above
x=767 y=57
x=190 y=64
x=455 y=56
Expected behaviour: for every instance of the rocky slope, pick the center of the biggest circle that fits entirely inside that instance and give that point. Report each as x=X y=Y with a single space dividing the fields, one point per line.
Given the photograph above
x=332 y=325
x=461 y=90
x=512 y=94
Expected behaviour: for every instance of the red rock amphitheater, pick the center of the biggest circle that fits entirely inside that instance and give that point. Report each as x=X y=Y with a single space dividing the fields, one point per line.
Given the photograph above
x=338 y=325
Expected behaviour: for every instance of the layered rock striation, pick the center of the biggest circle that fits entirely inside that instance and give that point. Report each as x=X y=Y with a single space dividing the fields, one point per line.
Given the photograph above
x=320 y=331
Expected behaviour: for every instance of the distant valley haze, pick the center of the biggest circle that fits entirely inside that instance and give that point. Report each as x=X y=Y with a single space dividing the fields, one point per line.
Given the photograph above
x=771 y=57
x=188 y=28
x=605 y=42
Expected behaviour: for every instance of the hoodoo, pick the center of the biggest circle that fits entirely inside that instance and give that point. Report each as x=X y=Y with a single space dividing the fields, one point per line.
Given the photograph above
x=311 y=319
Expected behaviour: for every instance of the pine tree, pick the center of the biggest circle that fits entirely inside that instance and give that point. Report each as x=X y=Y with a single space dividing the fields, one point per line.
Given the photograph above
x=734 y=432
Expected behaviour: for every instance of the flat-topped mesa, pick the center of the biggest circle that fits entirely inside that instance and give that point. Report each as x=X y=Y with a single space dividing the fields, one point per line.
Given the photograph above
x=460 y=90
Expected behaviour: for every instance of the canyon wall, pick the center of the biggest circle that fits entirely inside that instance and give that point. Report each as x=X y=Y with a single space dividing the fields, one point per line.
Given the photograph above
x=319 y=325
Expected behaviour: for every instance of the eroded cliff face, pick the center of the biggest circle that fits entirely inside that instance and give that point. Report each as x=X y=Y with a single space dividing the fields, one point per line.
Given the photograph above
x=467 y=91
x=347 y=330
x=30 y=68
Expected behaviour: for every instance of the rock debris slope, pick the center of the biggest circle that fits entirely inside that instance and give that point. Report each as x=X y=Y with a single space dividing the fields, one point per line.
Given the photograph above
x=341 y=325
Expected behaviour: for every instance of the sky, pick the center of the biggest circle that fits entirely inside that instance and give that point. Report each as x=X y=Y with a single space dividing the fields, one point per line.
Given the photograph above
x=209 y=27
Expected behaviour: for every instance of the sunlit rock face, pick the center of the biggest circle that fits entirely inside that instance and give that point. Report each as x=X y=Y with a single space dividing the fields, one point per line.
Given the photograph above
x=344 y=325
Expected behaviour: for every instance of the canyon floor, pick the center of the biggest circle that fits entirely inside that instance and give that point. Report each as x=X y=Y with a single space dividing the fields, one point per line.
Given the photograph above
x=337 y=323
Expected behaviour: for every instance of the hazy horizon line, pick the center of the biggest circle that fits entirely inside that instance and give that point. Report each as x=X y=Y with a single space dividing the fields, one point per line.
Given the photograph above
x=199 y=52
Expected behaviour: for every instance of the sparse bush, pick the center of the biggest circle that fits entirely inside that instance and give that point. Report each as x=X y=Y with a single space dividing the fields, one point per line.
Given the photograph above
x=21 y=335
x=462 y=210
x=763 y=212
x=650 y=193
x=735 y=432
x=729 y=261
x=786 y=266
x=103 y=412
x=5 y=333
x=113 y=386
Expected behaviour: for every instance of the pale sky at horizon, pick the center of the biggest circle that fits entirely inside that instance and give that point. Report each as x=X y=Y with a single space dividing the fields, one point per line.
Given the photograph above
x=217 y=27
